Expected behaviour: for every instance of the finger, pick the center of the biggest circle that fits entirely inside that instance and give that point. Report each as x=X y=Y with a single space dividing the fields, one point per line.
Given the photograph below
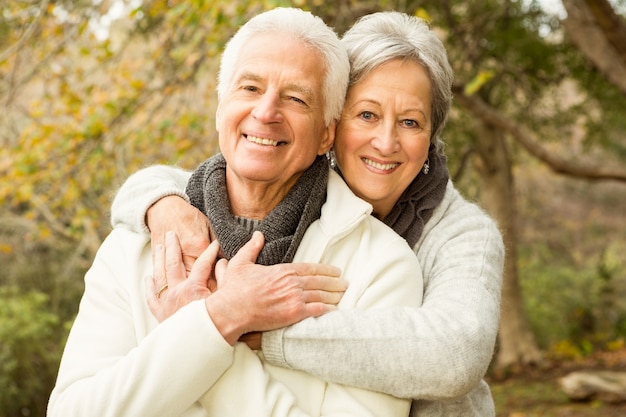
x=151 y=291
x=157 y=243
x=250 y=251
x=316 y=269
x=174 y=268
x=326 y=297
x=188 y=261
x=220 y=271
x=203 y=267
x=158 y=275
x=325 y=283
x=318 y=309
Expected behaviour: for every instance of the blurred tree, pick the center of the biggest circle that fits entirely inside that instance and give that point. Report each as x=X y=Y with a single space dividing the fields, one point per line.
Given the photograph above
x=85 y=104
x=527 y=99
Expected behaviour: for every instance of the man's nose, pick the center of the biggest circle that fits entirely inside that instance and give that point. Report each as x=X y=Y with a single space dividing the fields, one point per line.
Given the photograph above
x=267 y=109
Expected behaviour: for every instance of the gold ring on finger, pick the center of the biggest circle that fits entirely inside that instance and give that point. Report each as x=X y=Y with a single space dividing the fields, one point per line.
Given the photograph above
x=163 y=288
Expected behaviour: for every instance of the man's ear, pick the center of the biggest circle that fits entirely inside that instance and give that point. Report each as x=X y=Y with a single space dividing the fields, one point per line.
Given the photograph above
x=218 y=116
x=329 y=138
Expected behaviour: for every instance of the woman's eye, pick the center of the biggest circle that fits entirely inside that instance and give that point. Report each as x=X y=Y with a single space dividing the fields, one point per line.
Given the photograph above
x=250 y=88
x=367 y=115
x=297 y=100
x=410 y=123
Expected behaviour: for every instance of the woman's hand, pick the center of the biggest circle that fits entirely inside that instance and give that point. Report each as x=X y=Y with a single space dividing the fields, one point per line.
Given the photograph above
x=170 y=288
x=190 y=225
x=253 y=340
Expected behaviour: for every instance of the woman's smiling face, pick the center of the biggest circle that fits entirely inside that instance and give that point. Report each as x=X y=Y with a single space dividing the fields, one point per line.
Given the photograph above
x=383 y=136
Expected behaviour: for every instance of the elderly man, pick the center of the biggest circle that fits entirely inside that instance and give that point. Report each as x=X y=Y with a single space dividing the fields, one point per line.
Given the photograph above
x=282 y=83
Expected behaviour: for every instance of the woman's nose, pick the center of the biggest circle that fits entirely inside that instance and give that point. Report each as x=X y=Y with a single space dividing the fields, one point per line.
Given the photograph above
x=386 y=139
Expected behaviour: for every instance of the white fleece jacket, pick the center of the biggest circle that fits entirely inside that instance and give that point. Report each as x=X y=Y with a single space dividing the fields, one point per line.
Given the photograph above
x=437 y=354
x=118 y=361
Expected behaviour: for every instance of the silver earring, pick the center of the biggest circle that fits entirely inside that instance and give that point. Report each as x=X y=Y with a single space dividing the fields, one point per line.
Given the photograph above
x=332 y=158
x=426 y=167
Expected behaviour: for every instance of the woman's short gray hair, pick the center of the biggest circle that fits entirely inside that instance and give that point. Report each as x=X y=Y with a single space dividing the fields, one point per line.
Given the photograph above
x=293 y=22
x=381 y=37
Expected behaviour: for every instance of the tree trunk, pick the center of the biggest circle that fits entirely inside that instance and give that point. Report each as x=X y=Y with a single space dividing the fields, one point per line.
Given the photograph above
x=517 y=345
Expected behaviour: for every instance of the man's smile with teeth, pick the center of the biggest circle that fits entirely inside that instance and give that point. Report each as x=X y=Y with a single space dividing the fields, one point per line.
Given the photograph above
x=262 y=141
x=385 y=167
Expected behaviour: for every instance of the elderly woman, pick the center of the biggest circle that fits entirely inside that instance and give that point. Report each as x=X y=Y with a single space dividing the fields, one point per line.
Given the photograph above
x=389 y=152
x=178 y=355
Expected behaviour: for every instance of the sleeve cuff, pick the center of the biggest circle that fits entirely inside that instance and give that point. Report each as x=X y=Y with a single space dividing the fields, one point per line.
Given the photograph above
x=272 y=347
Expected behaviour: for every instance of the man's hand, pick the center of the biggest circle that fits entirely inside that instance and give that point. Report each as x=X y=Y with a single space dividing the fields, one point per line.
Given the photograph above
x=190 y=225
x=170 y=288
x=253 y=297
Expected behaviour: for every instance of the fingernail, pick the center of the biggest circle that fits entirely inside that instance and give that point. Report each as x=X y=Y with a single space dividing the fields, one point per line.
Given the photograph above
x=169 y=235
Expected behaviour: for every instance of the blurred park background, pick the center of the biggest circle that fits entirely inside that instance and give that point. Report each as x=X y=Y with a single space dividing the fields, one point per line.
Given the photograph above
x=92 y=90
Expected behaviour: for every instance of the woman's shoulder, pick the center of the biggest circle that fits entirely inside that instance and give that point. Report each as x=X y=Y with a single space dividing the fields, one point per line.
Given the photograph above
x=462 y=234
x=455 y=214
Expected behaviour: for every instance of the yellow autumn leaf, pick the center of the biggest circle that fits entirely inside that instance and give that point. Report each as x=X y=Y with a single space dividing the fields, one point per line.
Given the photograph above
x=482 y=78
x=423 y=14
x=44 y=232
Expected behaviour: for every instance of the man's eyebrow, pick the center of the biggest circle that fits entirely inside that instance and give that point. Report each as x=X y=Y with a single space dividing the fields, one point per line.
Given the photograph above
x=298 y=88
x=305 y=91
x=248 y=76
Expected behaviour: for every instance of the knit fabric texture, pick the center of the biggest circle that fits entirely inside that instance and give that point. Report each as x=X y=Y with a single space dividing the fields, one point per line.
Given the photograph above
x=285 y=225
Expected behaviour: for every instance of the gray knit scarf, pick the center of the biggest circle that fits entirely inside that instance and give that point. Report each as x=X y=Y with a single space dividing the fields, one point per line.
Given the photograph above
x=419 y=200
x=283 y=228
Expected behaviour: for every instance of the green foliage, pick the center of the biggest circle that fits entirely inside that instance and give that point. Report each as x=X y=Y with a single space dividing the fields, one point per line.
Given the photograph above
x=574 y=309
x=30 y=344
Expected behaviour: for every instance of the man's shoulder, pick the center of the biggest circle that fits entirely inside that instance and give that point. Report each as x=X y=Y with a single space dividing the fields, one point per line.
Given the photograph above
x=123 y=241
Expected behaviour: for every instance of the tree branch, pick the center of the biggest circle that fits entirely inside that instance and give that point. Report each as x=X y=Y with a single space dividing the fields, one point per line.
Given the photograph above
x=597 y=35
x=529 y=141
x=27 y=34
x=611 y=24
x=464 y=160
